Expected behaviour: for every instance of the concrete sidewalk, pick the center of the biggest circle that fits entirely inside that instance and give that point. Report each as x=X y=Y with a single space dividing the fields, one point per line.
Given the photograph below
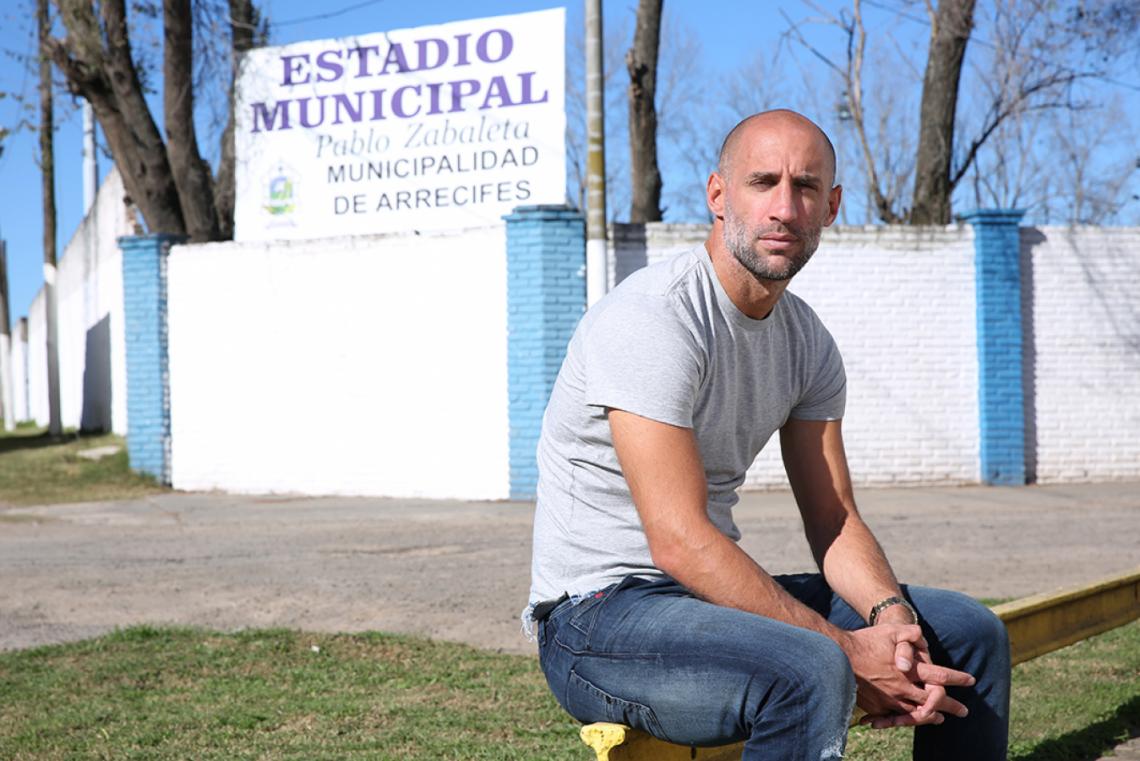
x=459 y=571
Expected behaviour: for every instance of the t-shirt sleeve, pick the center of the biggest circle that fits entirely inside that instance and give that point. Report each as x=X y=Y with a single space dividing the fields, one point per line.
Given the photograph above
x=826 y=395
x=641 y=358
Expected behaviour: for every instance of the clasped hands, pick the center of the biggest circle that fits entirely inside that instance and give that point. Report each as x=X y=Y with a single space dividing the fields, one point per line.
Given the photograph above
x=898 y=684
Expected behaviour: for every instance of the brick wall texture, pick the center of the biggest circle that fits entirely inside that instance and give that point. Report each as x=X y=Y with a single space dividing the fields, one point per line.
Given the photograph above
x=1082 y=320
x=903 y=307
x=1001 y=407
x=903 y=304
x=546 y=294
x=148 y=385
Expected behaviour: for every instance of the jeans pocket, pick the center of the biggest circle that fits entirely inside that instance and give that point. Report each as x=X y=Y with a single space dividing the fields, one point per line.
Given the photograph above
x=585 y=613
x=587 y=702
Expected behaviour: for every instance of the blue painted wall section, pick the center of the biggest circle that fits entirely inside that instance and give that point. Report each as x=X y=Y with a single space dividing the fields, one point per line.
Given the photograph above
x=546 y=296
x=148 y=379
x=1001 y=406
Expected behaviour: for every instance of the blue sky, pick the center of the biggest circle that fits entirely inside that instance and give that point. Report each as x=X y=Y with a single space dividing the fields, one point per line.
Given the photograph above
x=733 y=37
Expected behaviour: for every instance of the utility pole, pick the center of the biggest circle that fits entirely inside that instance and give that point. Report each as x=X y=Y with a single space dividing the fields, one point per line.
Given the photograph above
x=47 y=174
x=6 y=396
x=90 y=164
x=597 y=270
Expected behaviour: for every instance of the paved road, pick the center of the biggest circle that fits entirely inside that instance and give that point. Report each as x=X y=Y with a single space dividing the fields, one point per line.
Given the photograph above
x=458 y=571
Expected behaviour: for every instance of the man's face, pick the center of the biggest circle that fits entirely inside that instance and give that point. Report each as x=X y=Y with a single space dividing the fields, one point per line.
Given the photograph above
x=777 y=197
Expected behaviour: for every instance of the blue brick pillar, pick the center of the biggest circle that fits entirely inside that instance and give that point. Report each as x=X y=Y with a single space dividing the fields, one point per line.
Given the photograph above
x=546 y=296
x=148 y=383
x=1001 y=405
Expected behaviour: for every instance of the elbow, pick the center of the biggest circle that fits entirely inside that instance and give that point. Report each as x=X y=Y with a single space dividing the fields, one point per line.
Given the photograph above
x=676 y=554
x=668 y=559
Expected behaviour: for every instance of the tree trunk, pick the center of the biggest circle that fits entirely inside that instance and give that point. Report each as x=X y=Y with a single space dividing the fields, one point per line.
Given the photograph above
x=641 y=61
x=47 y=137
x=191 y=174
x=97 y=64
x=47 y=186
x=948 y=38
x=243 y=22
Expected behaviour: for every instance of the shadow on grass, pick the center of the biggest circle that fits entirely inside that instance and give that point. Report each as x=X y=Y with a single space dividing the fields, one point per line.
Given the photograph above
x=1093 y=741
x=32 y=441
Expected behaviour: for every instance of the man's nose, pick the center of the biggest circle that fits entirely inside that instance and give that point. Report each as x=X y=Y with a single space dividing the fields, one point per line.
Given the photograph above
x=782 y=206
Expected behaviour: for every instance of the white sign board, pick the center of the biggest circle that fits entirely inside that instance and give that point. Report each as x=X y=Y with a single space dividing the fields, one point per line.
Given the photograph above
x=432 y=128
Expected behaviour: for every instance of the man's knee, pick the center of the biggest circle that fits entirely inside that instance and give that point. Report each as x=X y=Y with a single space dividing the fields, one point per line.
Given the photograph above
x=963 y=625
x=820 y=676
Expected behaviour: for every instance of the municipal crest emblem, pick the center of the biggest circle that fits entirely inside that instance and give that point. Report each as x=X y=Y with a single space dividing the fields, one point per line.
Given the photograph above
x=281 y=194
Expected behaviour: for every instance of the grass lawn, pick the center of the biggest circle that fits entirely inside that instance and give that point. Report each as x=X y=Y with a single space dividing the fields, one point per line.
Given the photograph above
x=37 y=469
x=147 y=693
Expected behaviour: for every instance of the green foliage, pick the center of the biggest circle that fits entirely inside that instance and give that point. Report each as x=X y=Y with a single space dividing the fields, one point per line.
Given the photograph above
x=174 y=693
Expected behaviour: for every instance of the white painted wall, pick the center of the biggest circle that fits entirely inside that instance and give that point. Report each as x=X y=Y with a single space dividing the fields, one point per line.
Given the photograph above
x=18 y=362
x=368 y=365
x=378 y=365
x=36 y=362
x=1084 y=317
x=900 y=304
x=89 y=298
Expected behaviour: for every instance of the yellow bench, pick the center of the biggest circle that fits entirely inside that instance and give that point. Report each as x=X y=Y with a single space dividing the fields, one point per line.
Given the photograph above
x=1036 y=625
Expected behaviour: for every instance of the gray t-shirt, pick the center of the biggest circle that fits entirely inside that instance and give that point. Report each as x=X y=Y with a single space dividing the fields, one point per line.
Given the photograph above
x=667 y=344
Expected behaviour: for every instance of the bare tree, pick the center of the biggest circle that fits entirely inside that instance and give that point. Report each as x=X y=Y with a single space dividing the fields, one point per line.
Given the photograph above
x=167 y=179
x=950 y=27
x=246 y=32
x=1034 y=56
x=641 y=63
x=1036 y=67
x=617 y=153
x=692 y=117
x=190 y=173
x=1094 y=193
x=883 y=197
x=47 y=174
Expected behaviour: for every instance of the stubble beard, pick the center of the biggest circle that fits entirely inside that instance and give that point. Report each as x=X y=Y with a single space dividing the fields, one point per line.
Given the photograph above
x=743 y=241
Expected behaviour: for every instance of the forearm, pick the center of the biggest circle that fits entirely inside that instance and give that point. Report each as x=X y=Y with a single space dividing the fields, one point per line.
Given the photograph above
x=714 y=568
x=855 y=566
x=846 y=551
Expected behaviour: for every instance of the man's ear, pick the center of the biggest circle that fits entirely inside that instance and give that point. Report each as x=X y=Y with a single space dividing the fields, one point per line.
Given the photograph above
x=833 y=200
x=714 y=195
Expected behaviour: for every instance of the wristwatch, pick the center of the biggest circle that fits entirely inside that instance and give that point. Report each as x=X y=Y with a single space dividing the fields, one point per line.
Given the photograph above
x=884 y=604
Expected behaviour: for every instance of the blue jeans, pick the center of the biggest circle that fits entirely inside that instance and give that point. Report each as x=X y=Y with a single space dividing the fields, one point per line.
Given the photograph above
x=650 y=655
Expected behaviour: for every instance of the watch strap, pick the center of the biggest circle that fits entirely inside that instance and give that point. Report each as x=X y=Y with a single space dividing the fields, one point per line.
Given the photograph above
x=889 y=602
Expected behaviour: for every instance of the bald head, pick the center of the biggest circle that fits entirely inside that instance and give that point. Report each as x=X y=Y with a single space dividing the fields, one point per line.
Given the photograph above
x=770 y=120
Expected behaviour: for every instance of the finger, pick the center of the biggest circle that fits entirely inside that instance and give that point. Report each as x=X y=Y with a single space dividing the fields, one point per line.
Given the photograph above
x=951 y=706
x=906 y=720
x=904 y=656
x=908 y=633
x=911 y=633
x=936 y=694
x=905 y=697
x=942 y=703
x=931 y=674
